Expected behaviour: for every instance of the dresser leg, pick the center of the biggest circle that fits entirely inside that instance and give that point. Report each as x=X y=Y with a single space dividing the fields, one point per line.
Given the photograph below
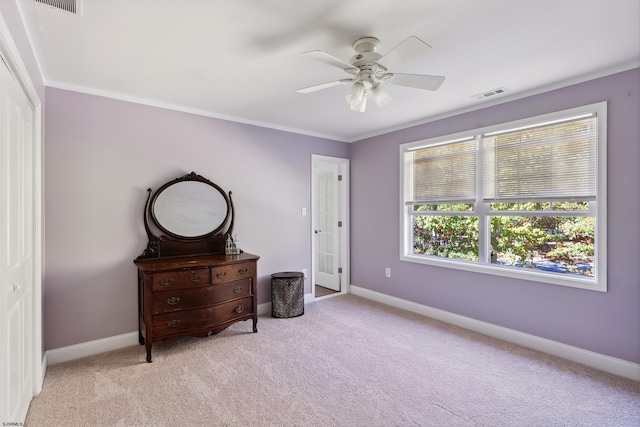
x=255 y=325
x=148 y=352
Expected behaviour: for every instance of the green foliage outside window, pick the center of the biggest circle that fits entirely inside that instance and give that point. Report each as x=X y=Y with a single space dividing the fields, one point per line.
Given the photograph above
x=522 y=241
x=446 y=236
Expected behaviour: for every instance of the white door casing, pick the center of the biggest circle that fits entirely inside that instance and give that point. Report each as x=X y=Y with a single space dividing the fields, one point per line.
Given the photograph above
x=330 y=242
x=16 y=247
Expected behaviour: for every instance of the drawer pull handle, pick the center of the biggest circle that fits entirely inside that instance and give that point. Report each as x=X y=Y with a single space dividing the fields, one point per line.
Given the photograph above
x=173 y=300
x=238 y=309
x=196 y=278
x=221 y=275
x=173 y=323
x=238 y=290
x=166 y=281
x=243 y=270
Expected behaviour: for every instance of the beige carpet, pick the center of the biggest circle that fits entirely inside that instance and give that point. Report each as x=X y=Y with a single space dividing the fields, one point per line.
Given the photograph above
x=345 y=362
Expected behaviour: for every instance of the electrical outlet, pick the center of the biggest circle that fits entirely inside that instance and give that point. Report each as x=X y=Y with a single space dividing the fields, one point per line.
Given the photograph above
x=387 y=272
x=304 y=273
x=304 y=211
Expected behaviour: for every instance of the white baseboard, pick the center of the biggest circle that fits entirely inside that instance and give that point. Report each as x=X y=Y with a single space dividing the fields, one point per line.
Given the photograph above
x=89 y=348
x=264 y=308
x=599 y=361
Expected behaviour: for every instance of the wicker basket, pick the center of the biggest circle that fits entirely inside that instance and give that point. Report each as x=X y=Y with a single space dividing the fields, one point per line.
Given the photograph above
x=287 y=294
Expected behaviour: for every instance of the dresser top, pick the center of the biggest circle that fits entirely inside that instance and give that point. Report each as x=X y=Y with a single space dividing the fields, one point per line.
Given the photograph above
x=191 y=261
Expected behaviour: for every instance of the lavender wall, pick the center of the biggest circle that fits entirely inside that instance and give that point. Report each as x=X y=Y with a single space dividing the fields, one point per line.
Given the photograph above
x=606 y=323
x=102 y=155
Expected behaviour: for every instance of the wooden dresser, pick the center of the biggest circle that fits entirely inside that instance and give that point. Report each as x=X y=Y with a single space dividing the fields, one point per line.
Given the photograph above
x=193 y=278
x=195 y=295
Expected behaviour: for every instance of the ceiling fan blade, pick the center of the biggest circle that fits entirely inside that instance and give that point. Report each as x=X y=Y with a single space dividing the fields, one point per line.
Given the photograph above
x=417 y=81
x=331 y=60
x=411 y=48
x=324 y=85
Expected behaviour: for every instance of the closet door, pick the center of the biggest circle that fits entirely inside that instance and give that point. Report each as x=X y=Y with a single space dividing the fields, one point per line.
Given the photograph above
x=16 y=249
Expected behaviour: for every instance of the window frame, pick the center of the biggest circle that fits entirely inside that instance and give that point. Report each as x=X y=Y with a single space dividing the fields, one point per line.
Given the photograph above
x=483 y=212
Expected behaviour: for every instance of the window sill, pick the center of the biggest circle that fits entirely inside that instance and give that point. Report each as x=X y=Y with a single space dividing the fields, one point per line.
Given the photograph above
x=569 y=280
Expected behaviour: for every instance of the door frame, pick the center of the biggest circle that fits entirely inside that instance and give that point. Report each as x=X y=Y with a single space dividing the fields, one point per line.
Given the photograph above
x=11 y=56
x=343 y=215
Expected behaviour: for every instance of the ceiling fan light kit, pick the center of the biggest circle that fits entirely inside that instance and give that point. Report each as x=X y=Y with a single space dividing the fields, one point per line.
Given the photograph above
x=380 y=96
x=355 y=94
x=361 y=105
x=361 y=90
x=370 y=71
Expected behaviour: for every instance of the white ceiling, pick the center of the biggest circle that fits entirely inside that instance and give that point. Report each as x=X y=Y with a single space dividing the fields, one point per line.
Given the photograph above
x=241 y=59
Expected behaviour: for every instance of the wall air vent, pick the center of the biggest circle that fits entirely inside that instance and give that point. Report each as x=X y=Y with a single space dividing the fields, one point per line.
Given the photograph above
x=491 y=93
x=72 y=6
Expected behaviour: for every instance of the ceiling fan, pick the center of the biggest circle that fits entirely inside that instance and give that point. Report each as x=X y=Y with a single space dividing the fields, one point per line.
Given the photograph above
x=370 y=71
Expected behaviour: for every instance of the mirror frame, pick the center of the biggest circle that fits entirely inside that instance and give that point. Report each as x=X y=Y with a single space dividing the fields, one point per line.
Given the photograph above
x=172 y=244
x=172 y=185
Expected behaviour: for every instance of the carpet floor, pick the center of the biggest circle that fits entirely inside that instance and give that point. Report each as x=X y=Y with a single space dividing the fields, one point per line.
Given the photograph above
x=346 y=362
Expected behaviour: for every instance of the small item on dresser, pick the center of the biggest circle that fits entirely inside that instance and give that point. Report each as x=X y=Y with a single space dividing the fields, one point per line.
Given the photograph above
x=228 y=245
x=231 y=245
x=236 y=245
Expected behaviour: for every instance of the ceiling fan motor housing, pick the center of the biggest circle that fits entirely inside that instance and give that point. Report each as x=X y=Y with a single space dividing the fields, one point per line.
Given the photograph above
x=366 y=52
x=366 y=44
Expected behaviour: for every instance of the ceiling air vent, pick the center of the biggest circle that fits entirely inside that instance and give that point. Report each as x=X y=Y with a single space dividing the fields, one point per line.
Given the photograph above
x=67 y=5
x=491 y=93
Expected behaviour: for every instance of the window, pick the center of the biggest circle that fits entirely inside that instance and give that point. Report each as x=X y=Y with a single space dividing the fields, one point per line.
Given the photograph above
x=525 y=199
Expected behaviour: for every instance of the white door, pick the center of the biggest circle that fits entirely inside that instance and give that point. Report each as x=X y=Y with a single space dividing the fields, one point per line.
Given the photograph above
x=327 y=232
x=16 y=249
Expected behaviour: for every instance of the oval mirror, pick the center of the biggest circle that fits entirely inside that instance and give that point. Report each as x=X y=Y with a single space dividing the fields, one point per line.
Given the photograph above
x=190 y=209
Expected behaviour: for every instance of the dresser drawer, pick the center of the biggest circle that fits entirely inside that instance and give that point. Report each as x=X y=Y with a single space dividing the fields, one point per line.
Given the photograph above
x=180 y=279
x=202 y=318
x=227 y=273
x=181 y=299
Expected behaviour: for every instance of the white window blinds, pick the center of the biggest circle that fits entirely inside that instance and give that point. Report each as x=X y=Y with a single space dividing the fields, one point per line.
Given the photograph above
x=443 y=173
x=545 y=162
